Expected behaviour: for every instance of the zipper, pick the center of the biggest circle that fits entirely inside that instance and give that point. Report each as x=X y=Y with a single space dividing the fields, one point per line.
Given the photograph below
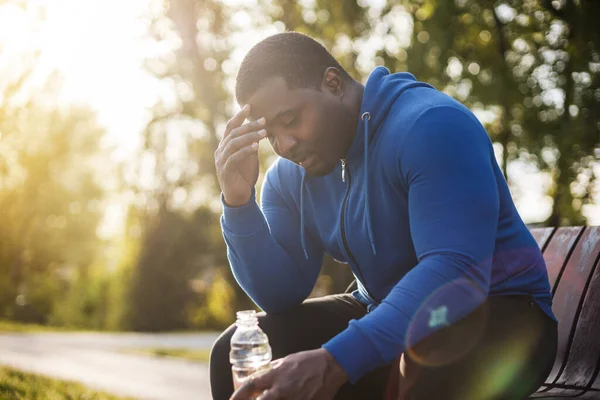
x=346 y=171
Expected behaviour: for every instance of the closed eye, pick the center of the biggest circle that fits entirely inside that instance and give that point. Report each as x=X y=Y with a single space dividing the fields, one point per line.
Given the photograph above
x=291 y=122
x=272 y=140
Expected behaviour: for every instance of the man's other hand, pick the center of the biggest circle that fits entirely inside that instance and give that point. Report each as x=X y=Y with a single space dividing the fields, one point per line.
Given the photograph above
x=308 y=375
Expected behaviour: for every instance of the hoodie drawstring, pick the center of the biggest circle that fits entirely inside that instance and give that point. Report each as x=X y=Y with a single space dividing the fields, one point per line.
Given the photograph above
x=366 y=117
x=367 y=210
x=302 y=234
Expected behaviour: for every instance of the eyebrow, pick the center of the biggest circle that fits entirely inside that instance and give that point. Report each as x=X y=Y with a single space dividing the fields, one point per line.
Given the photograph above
x=280 y=114
x=276 y=116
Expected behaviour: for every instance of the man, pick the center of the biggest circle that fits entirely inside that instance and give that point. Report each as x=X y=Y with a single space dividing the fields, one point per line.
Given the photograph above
x=400 y=182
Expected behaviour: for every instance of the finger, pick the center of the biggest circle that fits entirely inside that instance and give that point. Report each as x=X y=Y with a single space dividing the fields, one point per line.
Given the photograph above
x=254 y=386
x=239 y=143
x=246 y=392
x=253 y=126
x=240 y=155
x=237 y=120
x=270 y=394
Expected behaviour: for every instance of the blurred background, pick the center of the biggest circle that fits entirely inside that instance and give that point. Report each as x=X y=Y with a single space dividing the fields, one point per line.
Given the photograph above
x=110 y=112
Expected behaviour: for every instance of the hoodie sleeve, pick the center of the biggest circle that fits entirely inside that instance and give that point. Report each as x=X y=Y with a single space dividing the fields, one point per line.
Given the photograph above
x=265 y=252
x=446 y=163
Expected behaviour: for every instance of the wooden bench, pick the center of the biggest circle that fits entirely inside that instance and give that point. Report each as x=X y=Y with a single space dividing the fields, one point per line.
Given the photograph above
x=572 y=256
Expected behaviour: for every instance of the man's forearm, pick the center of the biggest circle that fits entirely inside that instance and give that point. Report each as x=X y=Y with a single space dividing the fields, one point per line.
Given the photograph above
x=276 y=278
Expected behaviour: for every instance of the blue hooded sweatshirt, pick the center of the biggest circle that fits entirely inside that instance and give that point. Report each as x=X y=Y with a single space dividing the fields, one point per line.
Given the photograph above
x=418 y=209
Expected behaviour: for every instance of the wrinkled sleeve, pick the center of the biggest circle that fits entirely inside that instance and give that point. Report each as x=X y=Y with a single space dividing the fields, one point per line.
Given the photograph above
x=265 y=252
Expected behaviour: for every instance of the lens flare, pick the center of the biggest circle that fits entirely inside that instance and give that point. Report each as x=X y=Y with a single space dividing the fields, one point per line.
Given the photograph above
x=502 y=369
x=435 y=315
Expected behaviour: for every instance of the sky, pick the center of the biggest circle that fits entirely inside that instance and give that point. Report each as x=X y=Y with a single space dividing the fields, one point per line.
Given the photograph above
x=99 y=47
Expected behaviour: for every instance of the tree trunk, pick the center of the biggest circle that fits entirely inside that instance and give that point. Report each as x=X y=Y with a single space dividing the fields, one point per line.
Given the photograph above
x=504 y=136
x=562 y=195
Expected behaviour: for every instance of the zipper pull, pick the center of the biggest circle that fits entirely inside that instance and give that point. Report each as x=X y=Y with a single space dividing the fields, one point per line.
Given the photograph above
x=343 y=170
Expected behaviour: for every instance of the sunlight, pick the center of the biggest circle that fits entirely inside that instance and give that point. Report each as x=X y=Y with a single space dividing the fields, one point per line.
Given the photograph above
x=15 y=29
x=99 y=47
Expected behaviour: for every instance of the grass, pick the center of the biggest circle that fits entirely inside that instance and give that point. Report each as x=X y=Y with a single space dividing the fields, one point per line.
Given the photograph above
x=17 y=385
x=12 y=327
x=200 y=355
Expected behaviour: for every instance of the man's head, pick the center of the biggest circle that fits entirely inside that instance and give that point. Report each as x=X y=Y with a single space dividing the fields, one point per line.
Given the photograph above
x=307 y=98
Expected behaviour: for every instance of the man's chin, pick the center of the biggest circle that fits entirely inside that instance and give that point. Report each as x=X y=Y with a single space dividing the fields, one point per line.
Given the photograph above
x=319 y=169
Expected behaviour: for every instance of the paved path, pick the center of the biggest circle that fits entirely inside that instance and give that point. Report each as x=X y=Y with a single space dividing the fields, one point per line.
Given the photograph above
x=98 y=360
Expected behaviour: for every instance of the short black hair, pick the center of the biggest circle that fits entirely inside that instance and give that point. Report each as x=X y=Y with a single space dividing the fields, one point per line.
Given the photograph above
x=297 y=58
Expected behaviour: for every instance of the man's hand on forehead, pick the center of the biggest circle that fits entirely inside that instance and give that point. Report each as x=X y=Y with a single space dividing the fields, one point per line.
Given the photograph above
x=236 y=158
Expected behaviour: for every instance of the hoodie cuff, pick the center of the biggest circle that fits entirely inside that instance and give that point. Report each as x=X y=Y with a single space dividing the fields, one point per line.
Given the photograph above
x=243 y=220
x=354 y=352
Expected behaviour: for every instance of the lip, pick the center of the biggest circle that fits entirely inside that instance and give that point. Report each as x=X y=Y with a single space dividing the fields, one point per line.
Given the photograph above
x=299 y=160
x=306 y=162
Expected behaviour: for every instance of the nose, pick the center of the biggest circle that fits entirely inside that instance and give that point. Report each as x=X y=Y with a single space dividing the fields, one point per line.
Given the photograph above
x=286 y=146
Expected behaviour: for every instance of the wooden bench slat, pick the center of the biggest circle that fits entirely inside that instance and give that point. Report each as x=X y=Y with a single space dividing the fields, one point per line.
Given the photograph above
x=541 y=235
x=567 y=303
x=567 y=394
x=556 y=393
x=591 y=317
x=558 y=249
x=585 y=350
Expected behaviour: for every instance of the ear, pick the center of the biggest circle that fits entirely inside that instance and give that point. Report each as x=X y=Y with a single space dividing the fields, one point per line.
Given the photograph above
x=332 y=81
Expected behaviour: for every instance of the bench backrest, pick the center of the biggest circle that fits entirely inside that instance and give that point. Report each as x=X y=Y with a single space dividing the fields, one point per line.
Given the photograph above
x=572 y=256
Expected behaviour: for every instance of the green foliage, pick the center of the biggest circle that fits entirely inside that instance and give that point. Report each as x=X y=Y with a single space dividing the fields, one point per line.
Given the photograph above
x=84 y=304
x=214 y=308
x=49 y=200
x=177 y=256
x=529 y=62
x=50 y=194
x=16 y=327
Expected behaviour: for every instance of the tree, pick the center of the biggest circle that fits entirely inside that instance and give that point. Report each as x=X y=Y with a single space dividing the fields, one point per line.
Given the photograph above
x=49 y=190
x=573 y=43
x=49 y=199
x=180 y=141
x=532 y=72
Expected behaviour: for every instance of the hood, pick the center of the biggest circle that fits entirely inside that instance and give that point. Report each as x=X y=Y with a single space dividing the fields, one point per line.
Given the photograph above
x=381 y=91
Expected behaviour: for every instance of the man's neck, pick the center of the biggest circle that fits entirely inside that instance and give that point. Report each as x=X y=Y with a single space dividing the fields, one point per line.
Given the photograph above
x=354 y=96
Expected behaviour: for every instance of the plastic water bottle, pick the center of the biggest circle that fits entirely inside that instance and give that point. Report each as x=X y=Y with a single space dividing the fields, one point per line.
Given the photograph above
x=250 y=350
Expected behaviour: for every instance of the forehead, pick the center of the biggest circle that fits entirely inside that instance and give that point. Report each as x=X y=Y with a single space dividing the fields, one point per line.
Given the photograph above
x=274 y=96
